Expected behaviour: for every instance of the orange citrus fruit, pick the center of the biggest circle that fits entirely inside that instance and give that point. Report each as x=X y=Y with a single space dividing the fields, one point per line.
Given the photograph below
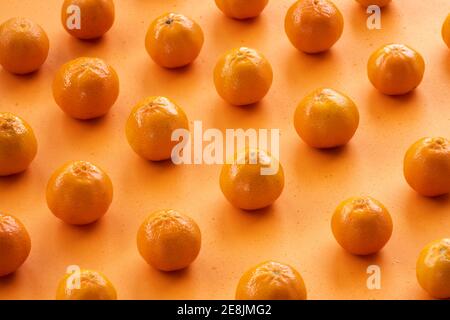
x=242 y=9
x=96 y=17
x=243 y=76
x=18 y=145
x=433 y=268
x=86 y=88
x=380 y=3
x=361 y=225
x=174 y=40
x=271 y=281
x=15 y=244
x=24 y=46
x=150 y=126
x=245 y=184
x=90 y=285
x=427 y=166
x=395 y=69
x=314 y=26
x=326 y=118
x=169 y=240
x=446 y=31
x=79 y=193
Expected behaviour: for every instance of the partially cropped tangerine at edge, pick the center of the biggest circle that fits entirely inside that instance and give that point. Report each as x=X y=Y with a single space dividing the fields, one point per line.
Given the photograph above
x=169 y=240
x=243 y=76
x=174 y=40
x=18 y=145
x=150 y=127
x=96 y=18
x=380 y=3
x=242 y=9
x=314 y=26
x=395 y=69
x=433 y=268
x=24 y=46
x=426 y=166
x=446 y=31
x=79 y=193
x=362 y=225
x=253 y=180
x=91 y=285
x=86 y=88
x=15 y=244
x=326 y=118
x=271 y=281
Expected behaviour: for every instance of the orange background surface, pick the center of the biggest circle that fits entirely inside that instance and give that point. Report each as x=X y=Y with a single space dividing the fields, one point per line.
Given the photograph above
x=296 y=229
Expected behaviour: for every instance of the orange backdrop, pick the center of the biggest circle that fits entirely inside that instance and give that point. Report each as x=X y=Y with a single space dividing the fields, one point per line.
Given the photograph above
x=296 y=229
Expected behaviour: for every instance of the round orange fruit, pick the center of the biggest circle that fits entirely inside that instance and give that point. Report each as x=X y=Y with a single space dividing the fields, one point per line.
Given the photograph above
x=24 y=46
x=150 y=126
x=79 y=193
x=446 y=31
x=314 y=26
x=361 y=225
x=433 y=269
x=243 y=76
x=395 y=69
x=242 y=9
x=174 y=40
x=380 y=3
x=427 y=166
x=271 y=281
x=169 y=240
x=90 y=285
x=252 y=180
x=86 y=88
x=326 y=119
x=87 y=19
x=18 y=145
x=15 y=244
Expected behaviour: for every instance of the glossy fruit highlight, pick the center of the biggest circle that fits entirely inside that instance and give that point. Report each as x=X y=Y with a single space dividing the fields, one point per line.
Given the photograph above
x=242 y=9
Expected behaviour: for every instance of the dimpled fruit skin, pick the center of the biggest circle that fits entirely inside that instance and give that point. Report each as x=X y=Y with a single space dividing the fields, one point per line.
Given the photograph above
x=93 y=286
x=446 y=31
x=243 y=76
x=361 y=225
x=243 y=184
x=380 y=3
x=326 y=119
x=79 y=193
x=271 y=281
x=15 y=244
x=426 y=166
x=86 y=88
x=433 y=269
x=242 y=9
x=395 y=69
x=314 y=26
x=96 y=18
x=24 y=46
x=174 y=40
x=150 y=126
x=18 y=145
x=169 y=240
